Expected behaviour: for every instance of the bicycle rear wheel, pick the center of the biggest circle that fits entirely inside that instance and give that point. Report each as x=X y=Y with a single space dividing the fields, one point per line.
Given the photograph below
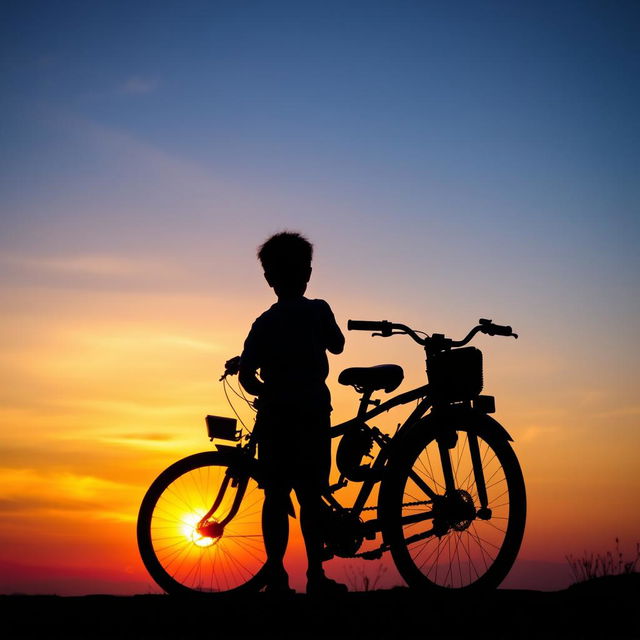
x=184 y=559
x=448 y=541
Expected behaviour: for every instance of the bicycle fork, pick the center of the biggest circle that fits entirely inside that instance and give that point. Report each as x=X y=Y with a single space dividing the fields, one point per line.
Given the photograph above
x=215 y=528
x=445 y=444
x=455 y=509
x=484 y=513
x=459 y=502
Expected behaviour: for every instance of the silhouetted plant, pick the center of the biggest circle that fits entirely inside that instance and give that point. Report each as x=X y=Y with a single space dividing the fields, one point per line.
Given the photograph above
x=597 y=565
x=359 y=579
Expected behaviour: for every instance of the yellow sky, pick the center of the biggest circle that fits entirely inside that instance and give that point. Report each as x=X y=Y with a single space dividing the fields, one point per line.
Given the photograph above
x=102 y=390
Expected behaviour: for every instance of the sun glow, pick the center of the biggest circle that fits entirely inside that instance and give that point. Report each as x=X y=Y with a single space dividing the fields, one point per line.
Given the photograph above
x=190 y=530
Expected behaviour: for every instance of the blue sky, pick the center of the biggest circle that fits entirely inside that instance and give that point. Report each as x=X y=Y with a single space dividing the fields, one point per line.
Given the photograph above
x=349 y=93
x=504 y=132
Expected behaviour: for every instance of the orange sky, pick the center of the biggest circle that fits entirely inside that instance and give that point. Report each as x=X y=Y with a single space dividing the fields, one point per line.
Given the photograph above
x=102 y=391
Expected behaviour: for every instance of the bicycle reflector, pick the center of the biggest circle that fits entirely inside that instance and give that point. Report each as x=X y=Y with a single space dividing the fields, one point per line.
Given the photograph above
x=223 y=428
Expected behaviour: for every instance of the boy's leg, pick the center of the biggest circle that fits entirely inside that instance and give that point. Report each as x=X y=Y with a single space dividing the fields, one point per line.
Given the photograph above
x=311 y=527
x=312 y=480
x=275 y=531
x=275 y=517
x=311 y=517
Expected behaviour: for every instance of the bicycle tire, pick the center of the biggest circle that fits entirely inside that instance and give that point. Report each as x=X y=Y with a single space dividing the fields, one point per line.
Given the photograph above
x=177 y=557
x=475 y=554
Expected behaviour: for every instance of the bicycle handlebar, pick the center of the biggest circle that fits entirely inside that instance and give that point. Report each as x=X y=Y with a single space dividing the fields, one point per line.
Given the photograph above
x=387 y=328
x=369 y=325
x=495 y=329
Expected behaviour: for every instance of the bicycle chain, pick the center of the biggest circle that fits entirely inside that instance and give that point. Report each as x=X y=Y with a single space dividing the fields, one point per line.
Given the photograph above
x=404 y=504
x=375 y=554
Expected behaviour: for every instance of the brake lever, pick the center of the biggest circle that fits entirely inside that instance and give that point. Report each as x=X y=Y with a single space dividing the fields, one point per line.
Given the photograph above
x=231 y=367
x=486 y=327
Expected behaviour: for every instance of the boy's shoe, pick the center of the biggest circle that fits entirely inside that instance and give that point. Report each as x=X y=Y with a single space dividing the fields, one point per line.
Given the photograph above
x=323 y=586
x=278 y=583
x=279 y=588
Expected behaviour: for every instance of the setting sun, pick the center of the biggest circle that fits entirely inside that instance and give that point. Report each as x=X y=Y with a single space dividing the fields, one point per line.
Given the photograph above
x=192 y=531
x=180 y=550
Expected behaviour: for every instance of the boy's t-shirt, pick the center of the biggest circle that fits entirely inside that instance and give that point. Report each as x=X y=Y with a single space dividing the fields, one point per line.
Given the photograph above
x=288 y=345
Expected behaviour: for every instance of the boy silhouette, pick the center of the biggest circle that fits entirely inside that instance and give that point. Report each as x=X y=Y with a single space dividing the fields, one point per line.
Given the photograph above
x=288 y=345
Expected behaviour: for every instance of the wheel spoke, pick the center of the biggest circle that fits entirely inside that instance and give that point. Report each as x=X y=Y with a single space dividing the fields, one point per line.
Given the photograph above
x=469 y=550
x=176 y=555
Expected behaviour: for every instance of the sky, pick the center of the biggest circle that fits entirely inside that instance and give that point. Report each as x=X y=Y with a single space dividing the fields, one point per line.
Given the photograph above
x=450 y=161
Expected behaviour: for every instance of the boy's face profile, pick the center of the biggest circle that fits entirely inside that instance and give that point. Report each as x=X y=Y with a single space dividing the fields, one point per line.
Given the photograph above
x=286 y=260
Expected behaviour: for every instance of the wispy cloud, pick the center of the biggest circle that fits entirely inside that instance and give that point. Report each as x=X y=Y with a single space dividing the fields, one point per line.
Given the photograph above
x=537 y=433
x=157 y=437
x=92 y=271
x=620 y=412
x=139 y=85
x=142 y=442
x=93 y=265
x=131 y=340
x=59 y=491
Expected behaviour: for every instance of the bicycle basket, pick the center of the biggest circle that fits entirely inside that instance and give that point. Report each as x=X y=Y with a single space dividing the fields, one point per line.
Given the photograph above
x=455 y=375
x=223 y=428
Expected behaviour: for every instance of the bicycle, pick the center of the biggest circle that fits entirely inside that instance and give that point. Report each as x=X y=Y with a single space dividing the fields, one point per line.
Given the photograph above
x=451 y=505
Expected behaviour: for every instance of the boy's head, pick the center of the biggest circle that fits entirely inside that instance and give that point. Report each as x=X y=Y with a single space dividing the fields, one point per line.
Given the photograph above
x=286 y=260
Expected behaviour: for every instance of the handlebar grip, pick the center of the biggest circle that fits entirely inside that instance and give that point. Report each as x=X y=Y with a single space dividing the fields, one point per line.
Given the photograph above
x=367 y=325
x=499 y=330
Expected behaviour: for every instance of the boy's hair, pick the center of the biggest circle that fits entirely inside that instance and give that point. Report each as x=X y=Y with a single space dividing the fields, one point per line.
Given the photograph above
x=285 y=253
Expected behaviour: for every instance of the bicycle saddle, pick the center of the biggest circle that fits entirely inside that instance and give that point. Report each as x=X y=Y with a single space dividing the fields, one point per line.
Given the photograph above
x=382 y=376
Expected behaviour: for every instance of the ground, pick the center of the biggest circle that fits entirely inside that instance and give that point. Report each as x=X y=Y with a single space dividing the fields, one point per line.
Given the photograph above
x=605 y=608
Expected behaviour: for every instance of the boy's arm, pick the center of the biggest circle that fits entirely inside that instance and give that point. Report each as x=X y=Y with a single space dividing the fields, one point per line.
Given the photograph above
x=249 y=380
x=250 y=363
x=335 y=337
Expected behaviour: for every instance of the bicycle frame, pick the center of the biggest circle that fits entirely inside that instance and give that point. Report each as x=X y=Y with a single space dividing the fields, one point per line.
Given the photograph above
x=448 y=426
x=384 y=441
x=387 y=445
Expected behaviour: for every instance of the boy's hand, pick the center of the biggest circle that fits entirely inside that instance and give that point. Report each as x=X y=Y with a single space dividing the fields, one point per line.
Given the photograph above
x=231 y=367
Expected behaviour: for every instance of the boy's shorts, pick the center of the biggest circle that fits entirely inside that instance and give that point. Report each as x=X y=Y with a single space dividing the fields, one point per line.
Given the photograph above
x=295 y=449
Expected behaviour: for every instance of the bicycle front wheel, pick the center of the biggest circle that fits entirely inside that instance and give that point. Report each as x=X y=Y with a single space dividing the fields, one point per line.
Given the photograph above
x=181 y=555
x=447 y=540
